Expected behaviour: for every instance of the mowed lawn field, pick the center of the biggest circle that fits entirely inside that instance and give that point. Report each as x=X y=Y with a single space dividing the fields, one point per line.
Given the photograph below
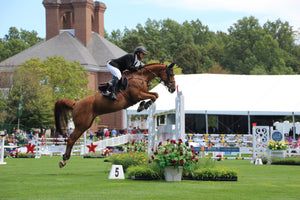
x=25 y=178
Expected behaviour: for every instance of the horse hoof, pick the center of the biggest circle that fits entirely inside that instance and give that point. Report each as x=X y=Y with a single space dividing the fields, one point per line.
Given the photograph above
x=61 y=164
x=147 y=105
x=141 y=106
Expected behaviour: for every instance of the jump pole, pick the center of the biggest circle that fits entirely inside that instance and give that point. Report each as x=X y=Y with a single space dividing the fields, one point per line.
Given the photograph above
x=180 y=121
x=2 y=134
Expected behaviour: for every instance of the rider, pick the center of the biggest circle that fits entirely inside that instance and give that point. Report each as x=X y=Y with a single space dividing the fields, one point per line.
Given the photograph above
x=126 y=62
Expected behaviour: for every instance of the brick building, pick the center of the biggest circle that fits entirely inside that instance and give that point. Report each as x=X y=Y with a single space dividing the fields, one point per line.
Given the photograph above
x=75 y=31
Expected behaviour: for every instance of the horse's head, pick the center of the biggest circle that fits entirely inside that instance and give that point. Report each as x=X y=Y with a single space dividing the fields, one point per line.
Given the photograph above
x=168 y=77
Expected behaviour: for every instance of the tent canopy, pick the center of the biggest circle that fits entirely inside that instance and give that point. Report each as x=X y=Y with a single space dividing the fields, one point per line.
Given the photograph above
x=219 y=94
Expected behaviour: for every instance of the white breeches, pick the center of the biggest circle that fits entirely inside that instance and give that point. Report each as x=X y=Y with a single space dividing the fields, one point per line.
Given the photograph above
x=115 y=71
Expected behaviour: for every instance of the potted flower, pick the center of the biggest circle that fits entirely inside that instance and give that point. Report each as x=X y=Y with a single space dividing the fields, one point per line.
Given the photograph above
x=173 y=156
x=277 y=149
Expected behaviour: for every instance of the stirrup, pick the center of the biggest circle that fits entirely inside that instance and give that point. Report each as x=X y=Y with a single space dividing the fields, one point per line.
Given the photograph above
x=113 y=97
x=106 y=93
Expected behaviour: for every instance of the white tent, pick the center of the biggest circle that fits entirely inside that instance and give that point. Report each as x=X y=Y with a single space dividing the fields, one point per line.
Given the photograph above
x=232 y=95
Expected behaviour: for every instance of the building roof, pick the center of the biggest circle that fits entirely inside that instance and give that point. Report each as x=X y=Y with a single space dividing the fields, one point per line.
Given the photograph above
x=218 y=94
x=93 y=57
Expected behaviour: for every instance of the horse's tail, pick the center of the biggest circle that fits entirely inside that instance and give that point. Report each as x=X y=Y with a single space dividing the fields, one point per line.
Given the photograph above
x=61 y=113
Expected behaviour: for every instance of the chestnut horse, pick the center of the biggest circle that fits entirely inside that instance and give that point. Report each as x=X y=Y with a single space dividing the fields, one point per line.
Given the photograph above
x=87 y=109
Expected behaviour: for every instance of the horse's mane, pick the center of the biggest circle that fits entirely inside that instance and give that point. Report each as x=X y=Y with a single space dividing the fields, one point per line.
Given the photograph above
x=149 y=65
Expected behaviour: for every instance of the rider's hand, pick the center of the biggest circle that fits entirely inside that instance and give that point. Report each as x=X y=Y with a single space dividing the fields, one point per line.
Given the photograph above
x=140 y=67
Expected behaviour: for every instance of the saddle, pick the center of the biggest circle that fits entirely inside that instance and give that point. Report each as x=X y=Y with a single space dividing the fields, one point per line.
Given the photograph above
x=105 y=87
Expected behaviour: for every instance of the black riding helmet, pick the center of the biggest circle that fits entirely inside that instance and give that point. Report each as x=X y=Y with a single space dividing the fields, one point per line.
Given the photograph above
x=140 y=49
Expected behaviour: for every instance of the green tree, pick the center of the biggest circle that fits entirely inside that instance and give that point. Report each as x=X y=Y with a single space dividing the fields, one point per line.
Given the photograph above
x=243 y=36
x=37 y=99
x=268 y=54
x=282 y=32
x=42 y=83
x=16 y=41
x=189 y=59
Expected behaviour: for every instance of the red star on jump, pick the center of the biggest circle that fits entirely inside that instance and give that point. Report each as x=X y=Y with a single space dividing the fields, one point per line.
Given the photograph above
x=29 y=148
x=92 y=147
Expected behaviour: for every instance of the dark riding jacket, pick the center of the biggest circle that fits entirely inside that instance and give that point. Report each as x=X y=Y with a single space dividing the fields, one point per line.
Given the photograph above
x=125 y=62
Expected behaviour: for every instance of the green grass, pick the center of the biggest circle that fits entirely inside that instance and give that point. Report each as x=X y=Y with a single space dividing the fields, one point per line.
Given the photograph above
x=88 y=179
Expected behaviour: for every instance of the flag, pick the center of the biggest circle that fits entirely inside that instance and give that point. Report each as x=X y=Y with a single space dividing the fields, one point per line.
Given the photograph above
x=20 y=104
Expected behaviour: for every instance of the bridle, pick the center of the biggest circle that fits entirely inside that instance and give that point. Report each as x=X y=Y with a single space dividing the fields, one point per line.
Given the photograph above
x=169 y=72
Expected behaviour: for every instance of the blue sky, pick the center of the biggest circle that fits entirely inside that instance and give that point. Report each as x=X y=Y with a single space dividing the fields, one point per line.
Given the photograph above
x=218 y=15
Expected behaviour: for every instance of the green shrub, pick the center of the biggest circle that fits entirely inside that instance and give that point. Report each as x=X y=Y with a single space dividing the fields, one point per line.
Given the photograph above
x=24 y=155
x=212 y=173
x=145 y=171
x=286 y=161
x=128 y=159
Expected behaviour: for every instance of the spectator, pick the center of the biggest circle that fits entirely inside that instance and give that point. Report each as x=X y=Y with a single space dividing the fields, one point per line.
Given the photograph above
x=133 y=131
x=105 y=130
x=98 y=133
x=106 y=134
x=114 y=133
x=121 y=132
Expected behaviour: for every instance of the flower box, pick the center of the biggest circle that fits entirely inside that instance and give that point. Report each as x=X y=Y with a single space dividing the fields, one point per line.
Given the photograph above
x=278 y=154
x=173 y=173
x=141 y=178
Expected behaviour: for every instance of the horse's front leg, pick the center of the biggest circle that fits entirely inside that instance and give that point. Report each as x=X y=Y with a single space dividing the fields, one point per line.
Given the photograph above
x=147 y=95
x=154 y=93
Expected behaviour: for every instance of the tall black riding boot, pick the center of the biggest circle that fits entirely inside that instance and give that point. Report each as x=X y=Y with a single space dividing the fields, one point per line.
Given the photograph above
x=114 y=83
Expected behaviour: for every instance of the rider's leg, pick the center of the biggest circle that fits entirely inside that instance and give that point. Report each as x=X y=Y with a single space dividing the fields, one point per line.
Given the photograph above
x=117 y=76
x=114 y=82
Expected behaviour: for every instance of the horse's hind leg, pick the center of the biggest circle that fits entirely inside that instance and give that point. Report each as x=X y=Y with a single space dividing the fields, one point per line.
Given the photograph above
x=71 y=141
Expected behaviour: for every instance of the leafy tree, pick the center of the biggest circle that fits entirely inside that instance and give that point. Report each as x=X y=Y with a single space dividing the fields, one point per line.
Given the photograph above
x=37 y=100
x=42 y=83
x=216 y=69
x=16 y=41
x=66 y=79
x=246 y=49
x=282 y=32
x=189 y=59
x=243 y=36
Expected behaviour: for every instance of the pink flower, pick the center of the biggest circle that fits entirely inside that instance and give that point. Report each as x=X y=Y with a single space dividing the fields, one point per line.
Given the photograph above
x=149 y=161
x=196 y=159
x=168 y=140
x=166 y=152
x=192 y=146
x=160 y=143
x=156 y=152
x=181 y=161
x=152 y=149
x=174 y=161
x=132 y=142
x=181 y=153
x=173 y=141
x=152 y=157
